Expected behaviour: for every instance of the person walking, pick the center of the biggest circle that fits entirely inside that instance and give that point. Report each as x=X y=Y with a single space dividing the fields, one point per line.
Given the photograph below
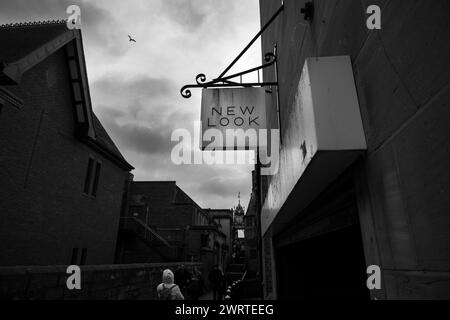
x=182 y=277
x=196 y=284
x=168 y=290
x=217 y=279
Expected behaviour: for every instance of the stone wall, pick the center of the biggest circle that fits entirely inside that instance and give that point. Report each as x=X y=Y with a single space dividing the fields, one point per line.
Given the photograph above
x=402 y=78
x=107 y=282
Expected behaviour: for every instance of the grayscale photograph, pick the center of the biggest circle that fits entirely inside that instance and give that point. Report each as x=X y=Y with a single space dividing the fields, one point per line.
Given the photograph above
x=225 y=155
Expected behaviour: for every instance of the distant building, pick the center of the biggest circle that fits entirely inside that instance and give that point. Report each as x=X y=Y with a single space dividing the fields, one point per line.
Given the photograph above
x=238 y=221
x=162 y=223
x=224 y=220
x=62 y=177
x=252 y=243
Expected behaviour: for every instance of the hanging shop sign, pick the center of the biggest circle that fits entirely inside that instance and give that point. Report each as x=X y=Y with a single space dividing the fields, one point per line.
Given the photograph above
x=232 y=118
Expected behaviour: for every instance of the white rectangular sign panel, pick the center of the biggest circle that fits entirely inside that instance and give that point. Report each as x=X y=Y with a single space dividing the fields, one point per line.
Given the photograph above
x=232 y=117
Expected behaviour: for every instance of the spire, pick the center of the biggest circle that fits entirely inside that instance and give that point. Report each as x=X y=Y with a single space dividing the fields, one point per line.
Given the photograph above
x=238 y=210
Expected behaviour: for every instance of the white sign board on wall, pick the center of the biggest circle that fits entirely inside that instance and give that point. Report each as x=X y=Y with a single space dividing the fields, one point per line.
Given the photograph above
x=232 y=109
x=322 y=137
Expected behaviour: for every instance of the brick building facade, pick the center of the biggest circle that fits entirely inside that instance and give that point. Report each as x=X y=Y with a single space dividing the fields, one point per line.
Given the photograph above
x=224 y=220
x=62 y=177
x=162 y=223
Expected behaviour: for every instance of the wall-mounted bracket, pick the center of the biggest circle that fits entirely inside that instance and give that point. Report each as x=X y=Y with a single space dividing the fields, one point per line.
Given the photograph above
x=224 y=81
x=308 y=11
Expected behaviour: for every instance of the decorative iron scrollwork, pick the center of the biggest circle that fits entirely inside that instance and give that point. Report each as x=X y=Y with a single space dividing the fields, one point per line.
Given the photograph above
x=201 y=78
x=226 y=81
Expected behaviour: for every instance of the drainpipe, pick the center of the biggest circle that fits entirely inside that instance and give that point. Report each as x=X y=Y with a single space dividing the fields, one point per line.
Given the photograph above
x=258 y=194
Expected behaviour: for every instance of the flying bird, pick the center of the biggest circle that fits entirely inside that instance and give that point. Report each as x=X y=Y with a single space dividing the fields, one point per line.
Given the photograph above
x=131 y=39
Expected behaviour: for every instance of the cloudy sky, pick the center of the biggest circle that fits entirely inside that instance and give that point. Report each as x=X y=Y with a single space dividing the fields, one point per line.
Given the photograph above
x=135 y=86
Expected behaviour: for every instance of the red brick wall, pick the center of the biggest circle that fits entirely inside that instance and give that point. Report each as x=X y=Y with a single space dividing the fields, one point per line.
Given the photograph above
x=43 y=211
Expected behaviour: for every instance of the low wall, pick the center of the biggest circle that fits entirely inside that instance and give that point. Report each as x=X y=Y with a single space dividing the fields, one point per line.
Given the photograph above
x=108 y=282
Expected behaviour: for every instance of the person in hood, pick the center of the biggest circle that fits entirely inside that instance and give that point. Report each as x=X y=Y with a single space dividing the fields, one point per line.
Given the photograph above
x=168 y=290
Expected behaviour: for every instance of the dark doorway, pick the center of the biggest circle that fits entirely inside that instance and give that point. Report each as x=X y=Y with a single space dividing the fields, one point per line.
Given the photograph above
x=329 y=266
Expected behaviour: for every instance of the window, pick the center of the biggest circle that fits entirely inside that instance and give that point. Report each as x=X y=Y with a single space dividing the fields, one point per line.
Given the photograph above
x=98 y=167
x=87 y=181
x=83 y=256
x=73 y=260
x=204 y=239
x=92 y=177
x=77 y=91
x=80 y=112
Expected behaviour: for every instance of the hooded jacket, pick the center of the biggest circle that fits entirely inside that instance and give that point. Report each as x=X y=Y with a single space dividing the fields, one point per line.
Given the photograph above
x=168 y=281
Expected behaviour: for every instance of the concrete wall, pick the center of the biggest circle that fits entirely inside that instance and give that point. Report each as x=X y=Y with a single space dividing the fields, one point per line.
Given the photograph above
x=251 y=236
x=108 y=282
x=43 y=211
x=402 y=77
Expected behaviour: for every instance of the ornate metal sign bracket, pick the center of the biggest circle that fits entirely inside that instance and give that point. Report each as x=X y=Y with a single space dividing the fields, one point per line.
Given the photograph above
x=224 y=81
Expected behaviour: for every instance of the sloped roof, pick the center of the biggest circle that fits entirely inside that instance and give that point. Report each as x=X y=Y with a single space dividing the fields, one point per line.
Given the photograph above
x=239 y=210
x=157 y=191
x=104 y=139
x=251 y=207
x=162 y=191
x=182 y=198
x=23 y=45
x=228 y=213
x=20 y=39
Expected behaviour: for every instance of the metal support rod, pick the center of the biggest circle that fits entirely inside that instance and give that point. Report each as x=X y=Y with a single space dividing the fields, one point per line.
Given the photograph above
x=268 y=57
x=202 y=83
x=275 y=50
x=231 y=82
x=218 y=85
x=225 y=81
x=268 y=23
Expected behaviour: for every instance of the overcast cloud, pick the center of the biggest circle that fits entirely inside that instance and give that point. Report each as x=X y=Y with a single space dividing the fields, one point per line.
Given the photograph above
x=135 y=86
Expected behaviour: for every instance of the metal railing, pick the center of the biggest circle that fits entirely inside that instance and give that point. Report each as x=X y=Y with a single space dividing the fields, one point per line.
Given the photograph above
x=147 y=232
x=171 y=234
